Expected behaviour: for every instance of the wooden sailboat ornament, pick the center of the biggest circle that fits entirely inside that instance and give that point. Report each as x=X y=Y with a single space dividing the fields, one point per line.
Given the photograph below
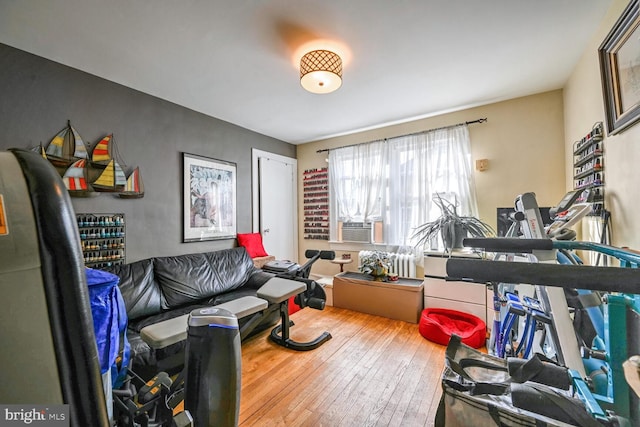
x=134 y=188
x=66 y=147
x=112 y=178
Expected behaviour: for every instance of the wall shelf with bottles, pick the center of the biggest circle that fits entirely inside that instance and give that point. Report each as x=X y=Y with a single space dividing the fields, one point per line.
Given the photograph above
x=102 y=237
x=588 y=167
x=315 y=189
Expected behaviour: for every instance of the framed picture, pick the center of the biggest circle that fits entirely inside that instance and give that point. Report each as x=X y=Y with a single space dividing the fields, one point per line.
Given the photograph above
x=209 y=204
x=619 y=56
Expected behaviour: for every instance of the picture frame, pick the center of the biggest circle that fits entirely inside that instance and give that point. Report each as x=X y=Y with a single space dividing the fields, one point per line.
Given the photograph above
x=209 y=199
x=619 y=57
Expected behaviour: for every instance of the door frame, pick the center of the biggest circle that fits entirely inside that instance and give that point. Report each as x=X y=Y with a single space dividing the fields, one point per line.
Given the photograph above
x=255 y=191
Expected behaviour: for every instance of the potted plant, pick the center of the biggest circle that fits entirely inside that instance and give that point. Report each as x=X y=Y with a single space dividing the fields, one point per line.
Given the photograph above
x=377 y=264
x=451 y=226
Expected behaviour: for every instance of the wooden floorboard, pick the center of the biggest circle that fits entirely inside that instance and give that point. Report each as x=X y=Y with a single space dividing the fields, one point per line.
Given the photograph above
x=373 y=372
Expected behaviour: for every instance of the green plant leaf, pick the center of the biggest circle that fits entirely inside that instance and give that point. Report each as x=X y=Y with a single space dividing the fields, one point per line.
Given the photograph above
x=447 y=223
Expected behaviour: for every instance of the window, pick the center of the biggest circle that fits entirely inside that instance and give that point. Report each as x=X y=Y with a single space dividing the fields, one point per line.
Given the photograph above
x=394 y=181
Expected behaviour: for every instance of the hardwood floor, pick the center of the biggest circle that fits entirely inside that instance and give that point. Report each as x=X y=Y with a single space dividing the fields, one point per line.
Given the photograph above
x=373 y=372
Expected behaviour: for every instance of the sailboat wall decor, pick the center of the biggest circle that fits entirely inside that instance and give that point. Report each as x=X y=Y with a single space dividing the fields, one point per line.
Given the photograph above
x=87 y=173
x=110 y=176
x=134 y=188
x=66 y=147
x=102 y=151
x=40 y=150
x=111 y=179
x=75 y=179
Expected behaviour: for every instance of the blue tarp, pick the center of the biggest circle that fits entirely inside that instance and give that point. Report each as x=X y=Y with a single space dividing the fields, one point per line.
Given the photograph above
x=109 y=321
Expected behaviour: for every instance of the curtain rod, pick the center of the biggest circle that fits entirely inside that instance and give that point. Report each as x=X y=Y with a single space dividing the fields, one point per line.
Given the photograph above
x=408 y=134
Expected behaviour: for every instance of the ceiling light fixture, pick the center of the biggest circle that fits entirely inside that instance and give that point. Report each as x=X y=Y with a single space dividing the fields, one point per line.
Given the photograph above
x=321 y=71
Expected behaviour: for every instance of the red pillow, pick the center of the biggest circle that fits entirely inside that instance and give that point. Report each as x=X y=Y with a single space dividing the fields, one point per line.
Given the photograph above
x=252 y=242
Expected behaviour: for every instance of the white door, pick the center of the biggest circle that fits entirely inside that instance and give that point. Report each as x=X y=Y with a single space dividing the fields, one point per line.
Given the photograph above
x=277 y=205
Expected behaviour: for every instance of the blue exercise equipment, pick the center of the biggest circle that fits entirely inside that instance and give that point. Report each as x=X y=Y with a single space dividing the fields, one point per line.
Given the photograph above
x=607 y=297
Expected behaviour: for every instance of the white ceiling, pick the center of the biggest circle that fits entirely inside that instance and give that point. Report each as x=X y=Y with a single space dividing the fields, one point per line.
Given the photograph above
x=234 y=59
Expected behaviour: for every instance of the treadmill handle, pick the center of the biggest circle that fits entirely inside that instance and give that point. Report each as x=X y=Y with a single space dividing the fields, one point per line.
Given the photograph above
x=509 y=244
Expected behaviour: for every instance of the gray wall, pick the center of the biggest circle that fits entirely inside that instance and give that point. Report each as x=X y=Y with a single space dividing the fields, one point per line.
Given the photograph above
x=38 y=96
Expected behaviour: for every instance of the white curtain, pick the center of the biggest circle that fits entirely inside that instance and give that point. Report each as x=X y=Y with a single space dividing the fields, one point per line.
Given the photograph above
x=396 y=181
x=357 y=182
x=422 y=165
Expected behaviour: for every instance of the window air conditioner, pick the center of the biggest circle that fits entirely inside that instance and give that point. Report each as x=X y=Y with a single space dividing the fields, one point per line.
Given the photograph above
x=356 y=232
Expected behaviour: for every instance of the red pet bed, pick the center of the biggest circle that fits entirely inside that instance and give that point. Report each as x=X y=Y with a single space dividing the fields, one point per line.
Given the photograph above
x=438 y=324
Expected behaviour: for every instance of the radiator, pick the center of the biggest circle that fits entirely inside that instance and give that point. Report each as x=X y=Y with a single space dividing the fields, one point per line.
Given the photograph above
x=403 y=265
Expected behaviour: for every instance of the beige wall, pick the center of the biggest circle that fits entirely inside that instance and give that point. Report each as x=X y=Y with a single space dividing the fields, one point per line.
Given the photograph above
x=583 y=106
x=523 y=140
x=529 y=144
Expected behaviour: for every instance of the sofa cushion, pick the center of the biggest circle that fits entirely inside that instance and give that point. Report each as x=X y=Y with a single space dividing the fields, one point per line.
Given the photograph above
x=233 y=267
x=139 y=290
x=189 y=279
x=186 y=279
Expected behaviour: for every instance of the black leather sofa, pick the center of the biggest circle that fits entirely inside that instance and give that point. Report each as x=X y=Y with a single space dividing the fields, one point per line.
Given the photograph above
x=157 y=289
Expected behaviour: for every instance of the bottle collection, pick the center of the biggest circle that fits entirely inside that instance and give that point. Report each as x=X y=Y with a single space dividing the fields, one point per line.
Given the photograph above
x=596 y=133
x=588 y=163
x=316 y=204
x=592 y=163
x=102 y=237
x=590 y=180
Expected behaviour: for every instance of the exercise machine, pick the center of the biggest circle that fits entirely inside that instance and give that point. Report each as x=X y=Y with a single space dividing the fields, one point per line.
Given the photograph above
x=597 y=367
x=528 y=224
x=618 y=283
x=313 y=296
x=553 y=299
